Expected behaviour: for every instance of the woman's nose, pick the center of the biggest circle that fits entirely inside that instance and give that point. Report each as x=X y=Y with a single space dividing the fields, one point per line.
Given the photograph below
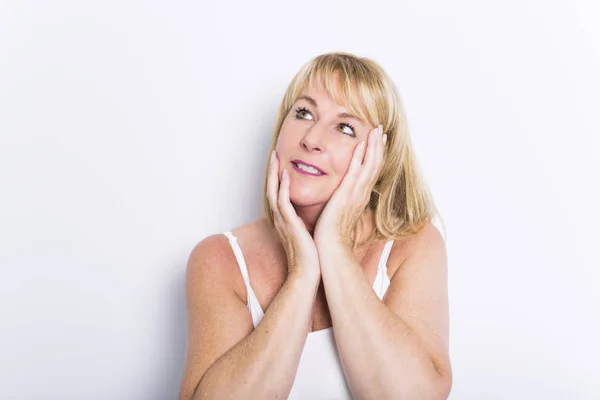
x=314 y=139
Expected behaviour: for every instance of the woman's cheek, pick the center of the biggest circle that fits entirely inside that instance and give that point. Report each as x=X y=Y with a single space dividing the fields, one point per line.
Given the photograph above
x=340 y=166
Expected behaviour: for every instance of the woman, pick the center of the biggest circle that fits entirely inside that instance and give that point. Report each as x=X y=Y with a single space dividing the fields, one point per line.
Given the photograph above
x=346 y=263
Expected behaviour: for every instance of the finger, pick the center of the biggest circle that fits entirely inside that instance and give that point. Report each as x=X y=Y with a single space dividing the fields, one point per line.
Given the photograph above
x=354 y=168
x=288 y=213
x=381 y=153
x=283 y=200
x=273 y=186
x=361 y=161
x=357 y=158
x=373 y=146
x=372 y=158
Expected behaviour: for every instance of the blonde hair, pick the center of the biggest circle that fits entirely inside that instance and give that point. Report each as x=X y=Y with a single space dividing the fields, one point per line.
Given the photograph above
x=401 y=201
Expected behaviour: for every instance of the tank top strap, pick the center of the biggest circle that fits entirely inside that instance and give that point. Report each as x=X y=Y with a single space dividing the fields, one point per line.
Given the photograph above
x=385 y=254
x=382 y=280
x=252 y=302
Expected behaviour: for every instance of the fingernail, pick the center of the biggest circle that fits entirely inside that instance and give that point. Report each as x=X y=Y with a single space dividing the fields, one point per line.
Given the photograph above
x=384 y=138
x=272 y=157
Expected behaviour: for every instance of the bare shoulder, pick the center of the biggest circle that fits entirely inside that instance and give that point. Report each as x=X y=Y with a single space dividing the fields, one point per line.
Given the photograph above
x=428 y=236
x=428 y=240
x=213 y=258
x=218 y=318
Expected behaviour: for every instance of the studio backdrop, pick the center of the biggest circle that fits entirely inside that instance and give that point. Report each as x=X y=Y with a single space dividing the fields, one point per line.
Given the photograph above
x=130 y=130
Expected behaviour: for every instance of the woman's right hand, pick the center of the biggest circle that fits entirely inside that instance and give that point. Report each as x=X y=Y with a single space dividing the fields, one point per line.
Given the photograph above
x=302 y=255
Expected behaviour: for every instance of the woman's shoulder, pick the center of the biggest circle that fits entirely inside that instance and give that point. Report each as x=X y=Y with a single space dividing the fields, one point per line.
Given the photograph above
x=215 y=256
x=217 y=246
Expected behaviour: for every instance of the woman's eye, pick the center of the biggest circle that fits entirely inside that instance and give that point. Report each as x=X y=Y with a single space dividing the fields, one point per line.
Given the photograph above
x=349 y=129
x=301 y=112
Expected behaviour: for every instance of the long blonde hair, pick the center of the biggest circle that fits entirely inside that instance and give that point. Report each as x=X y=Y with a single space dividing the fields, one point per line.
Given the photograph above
x=401 y=201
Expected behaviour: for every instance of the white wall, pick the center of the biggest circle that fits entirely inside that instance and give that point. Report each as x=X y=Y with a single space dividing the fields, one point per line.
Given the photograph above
x=130 y=130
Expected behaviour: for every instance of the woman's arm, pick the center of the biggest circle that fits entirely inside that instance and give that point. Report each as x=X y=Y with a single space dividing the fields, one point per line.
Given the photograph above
x=398 y=348
x=226 y=357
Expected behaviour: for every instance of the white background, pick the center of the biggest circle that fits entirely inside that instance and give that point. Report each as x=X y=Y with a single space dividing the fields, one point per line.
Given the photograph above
x=130 y=130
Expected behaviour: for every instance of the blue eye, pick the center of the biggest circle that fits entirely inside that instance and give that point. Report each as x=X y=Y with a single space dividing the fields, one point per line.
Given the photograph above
x=302 y=111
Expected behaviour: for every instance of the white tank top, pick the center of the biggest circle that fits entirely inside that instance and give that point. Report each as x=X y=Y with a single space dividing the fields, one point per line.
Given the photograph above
x=320 y=374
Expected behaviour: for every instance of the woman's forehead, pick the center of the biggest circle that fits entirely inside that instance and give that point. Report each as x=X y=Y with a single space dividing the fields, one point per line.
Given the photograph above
x=317 y=100
x=318 y=90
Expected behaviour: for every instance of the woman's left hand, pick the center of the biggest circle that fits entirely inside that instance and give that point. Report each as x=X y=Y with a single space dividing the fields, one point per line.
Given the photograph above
x=350 y=199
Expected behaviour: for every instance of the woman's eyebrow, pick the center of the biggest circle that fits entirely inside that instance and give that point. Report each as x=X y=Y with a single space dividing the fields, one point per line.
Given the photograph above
x=313 y=102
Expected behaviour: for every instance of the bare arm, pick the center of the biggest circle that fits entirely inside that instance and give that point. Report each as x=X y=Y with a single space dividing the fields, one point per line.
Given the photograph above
x=226 y=357
x=399 y=350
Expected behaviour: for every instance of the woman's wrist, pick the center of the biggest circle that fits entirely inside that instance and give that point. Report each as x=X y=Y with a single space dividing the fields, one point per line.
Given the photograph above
x=302 y=277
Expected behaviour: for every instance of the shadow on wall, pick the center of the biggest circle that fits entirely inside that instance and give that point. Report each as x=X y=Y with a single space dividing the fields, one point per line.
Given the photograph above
x=168 y=375
x=170 y=372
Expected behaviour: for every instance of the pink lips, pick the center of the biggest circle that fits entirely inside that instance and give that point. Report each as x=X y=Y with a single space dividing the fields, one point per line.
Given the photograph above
x=305 y=172
x=309 y=165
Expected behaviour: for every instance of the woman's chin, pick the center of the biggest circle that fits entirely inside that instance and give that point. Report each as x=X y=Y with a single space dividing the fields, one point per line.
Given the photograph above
x=306 y=201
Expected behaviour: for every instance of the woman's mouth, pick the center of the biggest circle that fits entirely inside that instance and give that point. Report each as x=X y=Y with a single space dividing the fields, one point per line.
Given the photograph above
x=305 y=170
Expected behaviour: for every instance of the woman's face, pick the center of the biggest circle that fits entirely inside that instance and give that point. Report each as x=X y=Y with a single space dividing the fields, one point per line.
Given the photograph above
x=320 y=132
